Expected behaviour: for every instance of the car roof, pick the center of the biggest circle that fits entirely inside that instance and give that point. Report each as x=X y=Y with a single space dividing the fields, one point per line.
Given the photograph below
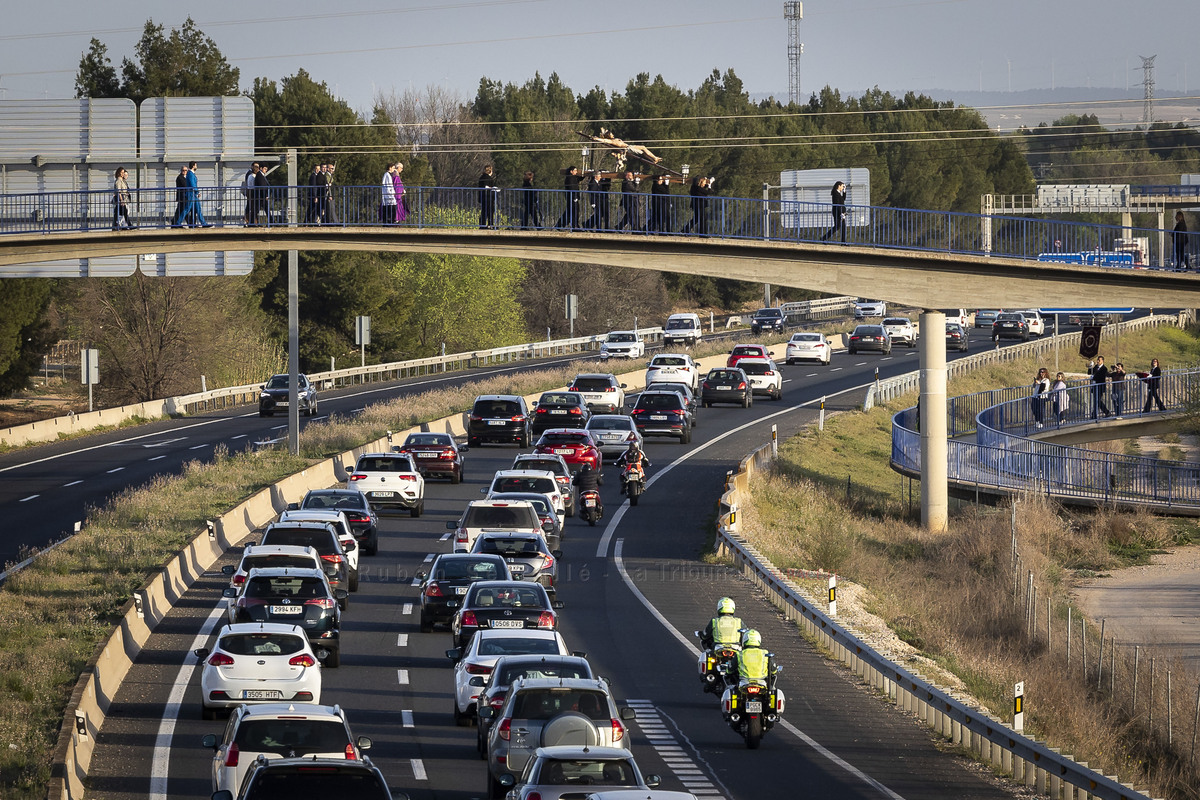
x=753 y=361
x=523 y=473
x=669 y=355
x=279 y=549
x=563 y=683
x=292 y=710
x=491 y=503
x=604 y=417
x=537 y=658
x=333 y=492
x=298 y=514
x=575 y=751
x=897 y=321
x=804 y=336
x=593 y=375
x=498 y=397
x=261 y=627
x=581 y=431
x=630 y=332
x=517 y=633
x=302 y=524
x=541 y=456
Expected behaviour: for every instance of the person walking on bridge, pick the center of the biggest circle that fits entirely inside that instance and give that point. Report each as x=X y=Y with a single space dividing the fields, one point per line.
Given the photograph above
x=838 y=196
x=487 y=198
x=1180 y=235
x=629 y=203
x=531 y=209
x=121 y=200
x=1061 y=398
x=1153 y=377
x=1116 y=377
x=1099 y=374
x=1041 y=389
x=194 y=213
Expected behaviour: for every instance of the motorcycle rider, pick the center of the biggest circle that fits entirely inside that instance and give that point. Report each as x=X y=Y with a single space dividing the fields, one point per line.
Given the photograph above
x=635 y=460
x=586 y=480
x=724 y=628
x=754 y=663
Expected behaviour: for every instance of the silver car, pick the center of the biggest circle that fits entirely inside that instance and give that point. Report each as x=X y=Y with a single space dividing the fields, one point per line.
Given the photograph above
x=613 y=433
x=571 y=771
x=527 y=555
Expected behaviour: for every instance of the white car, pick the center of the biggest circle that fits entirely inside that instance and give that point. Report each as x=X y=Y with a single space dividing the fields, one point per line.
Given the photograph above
x=481 y=653
x=258 y=662
x=494 y=515
x=764 y=376
x=1037 y=324
x=622 y=344
x=809 y=347
x=530 y=480
x=261 y=556
x=869 y=308
x=613 y=433
x=389 y=480
x=279 y=730
x=602 y=392
x=341 y=524
x=901 y=330
x=673 y=368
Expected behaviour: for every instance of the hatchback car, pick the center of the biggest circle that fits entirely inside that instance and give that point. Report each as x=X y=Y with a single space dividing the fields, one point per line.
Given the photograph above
x=297 y=597
x=726 y=386
x=551 y=462
x=275 y=394
x=364 y=522
x=956 y=337
x=261 y=556
x=258 y=663
x=869 y=308
x=684 y=390
x=765 y=376
x=529 y=556
x=323 y=538
x=543 y=507
x=662 y=414
x=613 y=433
x=870 y=337
x=901 y=331
x=502 y=418
x=530 y=480
x=279 y=730
x=273 y=778
x=602 y=392
x=448 y=578
x=503 y=605
x=768 y=319
x=494 y=515
x=571 y=771
x=436 y=455
x=389 y=480
x=560 y=410
x=478 y=658
x=577 y=447
x=808 y=346
x=678 y=367
x=508 y=669
x=747 y=351
x=1010 y=325
x=985 y=317
x=345 y=536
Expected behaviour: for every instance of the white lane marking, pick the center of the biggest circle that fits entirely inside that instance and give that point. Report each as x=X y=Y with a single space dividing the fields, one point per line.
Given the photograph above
x=694 y=652
x=811 y=375
x=836 y=369
x=401 y=640
x=650 y=720
x=111 y=471
x=861 y=364
x=197 y=447
x=161 y=760
x=787 y=380
x=418 y=768
x=407 y=609
x=357 y=410
x=31 y=497
x=886 y=358
x=602 y=547
x=444 y=537
x=72 y=483
x=428 y=558
x=406 y=718
x=156 y=458
x=402 y=677
x=166 y=442
x=278 y=427
x=239 y=436
x=415 y=582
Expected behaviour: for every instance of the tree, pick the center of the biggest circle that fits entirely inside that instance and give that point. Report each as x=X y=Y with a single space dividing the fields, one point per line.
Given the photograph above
x=609 y=297
x=428 y=125
x=24 y=331
x=97 y=77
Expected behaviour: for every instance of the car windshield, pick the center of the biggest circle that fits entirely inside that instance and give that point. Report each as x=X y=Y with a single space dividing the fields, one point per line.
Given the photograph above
x=546 y=464
x=669 y=361
x=316 y=780
x=299 y=736
x=755 y=368
x=319 y=538
x=678 y=388
x=518 y=646
x=315 y=501
x=562 y=437
x=806 y=337
x=872 y=330
x=559 y=399
x=525 y=484
x=768 y=312
x=427 y=439
x=507 y=596
x=262 y=644
x=457 y=569
x=285 y=586
x=541 y=704
x=1009 y=317
x=659 y=400
x=622 y=337
x=543 y=669
x=724 y=375
x=277 y=560
x=525 y=546
x=278 y=382
x=676 y=324
x=496 y=408
x=498 y=517
x=747 y=350
x=384 y=464
x=557 y=772
x=592 y=384
x=610 y=424
x=897 y=321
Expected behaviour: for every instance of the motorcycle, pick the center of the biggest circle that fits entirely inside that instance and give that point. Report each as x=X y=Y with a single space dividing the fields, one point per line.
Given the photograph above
x=752 y=707
x=590 y=507
x=634 y=480
x=713 y=678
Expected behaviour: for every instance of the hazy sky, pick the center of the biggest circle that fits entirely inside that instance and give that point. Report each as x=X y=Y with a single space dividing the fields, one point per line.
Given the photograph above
x=365 y=46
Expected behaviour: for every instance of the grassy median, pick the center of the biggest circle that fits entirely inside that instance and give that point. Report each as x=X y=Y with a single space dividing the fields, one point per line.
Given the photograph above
x=832 y=503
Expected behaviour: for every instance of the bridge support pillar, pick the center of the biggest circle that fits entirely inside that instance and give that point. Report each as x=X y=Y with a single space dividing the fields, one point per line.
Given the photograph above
x=935 y=499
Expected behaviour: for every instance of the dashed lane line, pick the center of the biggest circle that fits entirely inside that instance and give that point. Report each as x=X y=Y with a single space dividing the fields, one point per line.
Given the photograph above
x=402 y=677
x=401 y=640
x=31 y=497
x=407 y=609
x=111 y=471
x=156 y=458
x=653 y=724
x=72 y=483
x=418 y=768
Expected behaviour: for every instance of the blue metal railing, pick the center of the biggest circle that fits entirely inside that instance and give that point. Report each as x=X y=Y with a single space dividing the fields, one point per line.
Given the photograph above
x=1002 y=456
x=1022 y=237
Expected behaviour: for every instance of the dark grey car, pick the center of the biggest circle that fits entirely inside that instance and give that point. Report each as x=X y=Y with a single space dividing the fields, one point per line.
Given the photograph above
x=275 y=393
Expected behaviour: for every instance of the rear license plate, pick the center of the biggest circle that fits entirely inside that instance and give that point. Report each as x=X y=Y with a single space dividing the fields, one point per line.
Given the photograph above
x=262 y=694
x=508 y=623
x=516 y=569
x=563 y=451
x=590 y=502
x=724 y=388
x=754 y=707
x=495 y=422
x=461 y=589
x=658 y=417
x=427 y=455
x=287 y=610
x=382 y=494
x=558 y=411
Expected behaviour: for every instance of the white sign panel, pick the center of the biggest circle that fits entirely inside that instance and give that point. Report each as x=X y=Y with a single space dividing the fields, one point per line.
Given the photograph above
x=806 y=199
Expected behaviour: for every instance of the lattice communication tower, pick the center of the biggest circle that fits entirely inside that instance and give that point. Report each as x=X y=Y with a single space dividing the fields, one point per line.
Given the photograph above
x=793 y=12
x=1148 y=89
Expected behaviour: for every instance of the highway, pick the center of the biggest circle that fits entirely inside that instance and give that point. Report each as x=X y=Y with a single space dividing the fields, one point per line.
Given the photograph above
x=395 y=682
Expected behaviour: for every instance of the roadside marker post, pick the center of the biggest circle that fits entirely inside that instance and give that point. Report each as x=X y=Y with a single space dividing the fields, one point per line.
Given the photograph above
x=1019 y=707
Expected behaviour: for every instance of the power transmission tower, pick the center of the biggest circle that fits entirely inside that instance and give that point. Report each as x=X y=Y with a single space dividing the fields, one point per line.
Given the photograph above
x=1148 y=89
x=793 y=12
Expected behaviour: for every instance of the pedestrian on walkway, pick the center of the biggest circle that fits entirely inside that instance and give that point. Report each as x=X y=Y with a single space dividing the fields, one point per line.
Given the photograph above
x=400 y=192
x=1099 y=374
x=329 y=209
x=1041 y=388
x=387 y=205
x=531 y=207
x=838 y=197
x=194 y=213
x=660 y=205
x=181 y=197
x=1117 y=378
x=487 y=198
x=629 y=203
x=1061 y=398
x=1152 y=381
x=1180 y=235
x=570 y=215
x=313 y=195
x=121 y=199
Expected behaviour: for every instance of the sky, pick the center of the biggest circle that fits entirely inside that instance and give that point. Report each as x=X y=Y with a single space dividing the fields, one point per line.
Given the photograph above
x=365 y=47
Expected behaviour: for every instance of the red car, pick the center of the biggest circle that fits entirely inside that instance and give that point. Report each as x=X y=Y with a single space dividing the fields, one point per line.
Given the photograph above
x=435 y=454
x=747 y=351
x=576 y=446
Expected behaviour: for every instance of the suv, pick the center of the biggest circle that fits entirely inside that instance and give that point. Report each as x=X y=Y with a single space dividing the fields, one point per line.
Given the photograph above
x=300 y=597
x=271 y=555
x=493 y=515
x=279 y=730
x=323 y=538
x=768 y=319
x=765 y=377
x=499 y=418
x=682 y=329
x=345 y=537
x=601 y=391
x=901 y=330
x=662 y=414
x=622 y=344
x=274 y=396
x=272 y=778
x=509 y=668
x=551 y=462
x=364 y=523
x=389 y=479
x=673 y=367
x=559 y=410
x=544 y=712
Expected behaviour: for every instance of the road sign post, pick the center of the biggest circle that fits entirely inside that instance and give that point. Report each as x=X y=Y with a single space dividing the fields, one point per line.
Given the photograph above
x=362 y=337
x=572 y=309
x=89 y=371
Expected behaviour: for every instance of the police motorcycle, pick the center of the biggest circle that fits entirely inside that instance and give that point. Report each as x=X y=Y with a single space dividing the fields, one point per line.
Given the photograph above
x=752 y=706
x=712 y=677
x=589 y=506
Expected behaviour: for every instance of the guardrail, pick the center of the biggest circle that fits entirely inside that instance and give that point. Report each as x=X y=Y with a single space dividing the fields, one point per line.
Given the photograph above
x=1028 y=761
x=1020 y=237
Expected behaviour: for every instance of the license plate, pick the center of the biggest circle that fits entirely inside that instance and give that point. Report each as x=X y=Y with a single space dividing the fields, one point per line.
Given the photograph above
x=558 y=411
x=754 y=707
x=659 y=417
x=383 y=494
x=495 y=422
x=281 y=403
x=287 y=610
x=590 y=502
x=262 y=694
x=563 y=451
x=427 y=455
x=516 y=569
x=508 y=623
x=461 y=589
x=724 y=388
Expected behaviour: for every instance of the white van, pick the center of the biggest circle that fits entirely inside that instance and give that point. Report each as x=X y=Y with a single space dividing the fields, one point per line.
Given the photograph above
x=958 y=315
x=682 y=329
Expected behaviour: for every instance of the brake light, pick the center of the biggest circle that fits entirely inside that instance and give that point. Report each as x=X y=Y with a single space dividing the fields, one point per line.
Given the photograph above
x=302 y=660
x=742 y=385
x=357 y=476
x=636 y=411
x=333 y=559
x=546 y=620
x=231 y=756
x=433 y=590
x=705 y=385
x=355 y=516
x=610 y=389
x=769 y=373
x=541 y=411
x=448 y=453
x=618 y=731
x=476 y=418
x=498 y=699
x=632 y=437
x=577 y=412
x=519 y=418
x=351 y=753
x=547 y=561
x=460 y=535
x=469 y=619
x=220 y=660
x=753 y=689
x=407 y=477
x=478 y=669
x=321 y=602
x=238 y=580
x=505 y=729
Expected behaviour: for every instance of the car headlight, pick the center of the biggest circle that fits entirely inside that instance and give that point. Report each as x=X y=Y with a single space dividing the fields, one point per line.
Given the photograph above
x=303 y=393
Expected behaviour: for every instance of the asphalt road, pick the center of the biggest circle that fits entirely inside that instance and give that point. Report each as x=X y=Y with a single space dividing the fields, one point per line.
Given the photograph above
x=395 y=683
